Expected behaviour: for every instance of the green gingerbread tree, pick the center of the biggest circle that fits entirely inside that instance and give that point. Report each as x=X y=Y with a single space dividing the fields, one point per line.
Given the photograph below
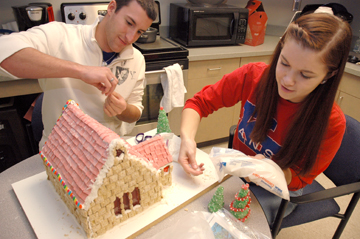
x=240 y=207
x=217 y=201
x=163 y=122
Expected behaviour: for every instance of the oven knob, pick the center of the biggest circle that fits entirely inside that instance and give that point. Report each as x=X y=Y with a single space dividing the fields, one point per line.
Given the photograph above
x=71 y=16
x=82 y=16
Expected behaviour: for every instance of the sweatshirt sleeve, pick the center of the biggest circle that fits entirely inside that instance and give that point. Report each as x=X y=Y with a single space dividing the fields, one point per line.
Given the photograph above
x=10 y=44
x=228 y=91
x=136 y=96
x=329 y=147
x=46 y=38
x=36 y=37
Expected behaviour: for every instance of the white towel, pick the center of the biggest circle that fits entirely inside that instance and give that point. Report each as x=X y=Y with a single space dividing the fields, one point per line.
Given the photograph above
x=174 y=88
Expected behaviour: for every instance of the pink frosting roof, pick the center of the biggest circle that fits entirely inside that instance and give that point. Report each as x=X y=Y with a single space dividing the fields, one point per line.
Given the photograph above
x=77 y=150
x=154 y=151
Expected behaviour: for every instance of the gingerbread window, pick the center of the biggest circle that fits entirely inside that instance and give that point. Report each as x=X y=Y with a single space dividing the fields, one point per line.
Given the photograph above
x=135 y=197
x=117 y=206
x=127 y=202
x=119 y=152
x=166 y=169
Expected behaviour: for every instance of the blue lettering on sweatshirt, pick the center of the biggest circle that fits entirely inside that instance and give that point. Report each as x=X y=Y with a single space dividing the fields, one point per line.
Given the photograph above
x=268 y=147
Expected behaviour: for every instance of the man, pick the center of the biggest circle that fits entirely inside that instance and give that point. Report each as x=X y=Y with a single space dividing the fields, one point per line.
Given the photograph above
x=71 y=61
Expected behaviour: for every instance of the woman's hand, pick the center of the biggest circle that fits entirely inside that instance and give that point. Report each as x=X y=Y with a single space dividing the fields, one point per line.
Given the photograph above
x=187 y=157
x=288 y=175
x=258 y=156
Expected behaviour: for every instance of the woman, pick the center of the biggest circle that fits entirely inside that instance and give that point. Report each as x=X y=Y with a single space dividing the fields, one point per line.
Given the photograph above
x=288 y=112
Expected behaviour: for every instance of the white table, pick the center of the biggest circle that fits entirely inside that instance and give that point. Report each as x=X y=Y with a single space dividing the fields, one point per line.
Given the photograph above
x=14 y=223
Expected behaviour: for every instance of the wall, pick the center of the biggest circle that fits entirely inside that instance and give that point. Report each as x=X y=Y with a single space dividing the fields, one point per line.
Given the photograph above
x=279 y=11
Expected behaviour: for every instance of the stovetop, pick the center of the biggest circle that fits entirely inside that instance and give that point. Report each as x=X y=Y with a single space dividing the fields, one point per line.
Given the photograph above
x=160 y=45
x=163 y=48
x=163 y=52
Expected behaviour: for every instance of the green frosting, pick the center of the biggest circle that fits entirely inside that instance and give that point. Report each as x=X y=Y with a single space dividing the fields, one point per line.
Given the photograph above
x=163 y=122
x=240 y=204
x=217 y=201
x=240 y=215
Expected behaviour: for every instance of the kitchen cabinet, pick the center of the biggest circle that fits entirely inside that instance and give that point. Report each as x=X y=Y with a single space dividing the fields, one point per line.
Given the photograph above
x=12 y=87
x=349 y=95
x=201 y=73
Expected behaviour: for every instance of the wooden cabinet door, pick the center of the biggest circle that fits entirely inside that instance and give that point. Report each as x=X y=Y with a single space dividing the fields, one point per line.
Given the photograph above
x=212 y=68
x=350 y=84
x=349 y=95
x=350 y=105
x=202 y=73
x=217 y=124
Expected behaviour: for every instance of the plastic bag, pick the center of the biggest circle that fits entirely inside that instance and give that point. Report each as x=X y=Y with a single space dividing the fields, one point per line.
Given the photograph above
x=173 y=144
x=263 y=172
x=205 y=225
x=190 y=226
x=224 y=223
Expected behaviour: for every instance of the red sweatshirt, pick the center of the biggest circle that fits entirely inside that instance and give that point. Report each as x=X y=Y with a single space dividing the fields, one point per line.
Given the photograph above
x=239 y=86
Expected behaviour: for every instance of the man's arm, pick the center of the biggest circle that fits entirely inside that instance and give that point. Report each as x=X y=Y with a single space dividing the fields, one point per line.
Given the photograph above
x=33 y=64
x=130 y=115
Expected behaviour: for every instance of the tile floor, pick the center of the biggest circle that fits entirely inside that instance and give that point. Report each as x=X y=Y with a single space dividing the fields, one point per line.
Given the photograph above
x=321 y=229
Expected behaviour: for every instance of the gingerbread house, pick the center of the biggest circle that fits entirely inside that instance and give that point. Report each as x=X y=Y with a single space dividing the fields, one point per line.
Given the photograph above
x=101 y=178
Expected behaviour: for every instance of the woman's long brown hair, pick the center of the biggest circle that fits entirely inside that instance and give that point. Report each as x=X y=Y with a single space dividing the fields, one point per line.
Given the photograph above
x=331 y=37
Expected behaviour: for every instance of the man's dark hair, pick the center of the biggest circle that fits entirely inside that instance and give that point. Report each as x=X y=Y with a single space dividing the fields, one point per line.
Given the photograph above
x=147 y=5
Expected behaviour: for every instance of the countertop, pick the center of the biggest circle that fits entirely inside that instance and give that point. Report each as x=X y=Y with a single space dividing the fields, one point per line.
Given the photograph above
x=265 y=49
x=223 y=52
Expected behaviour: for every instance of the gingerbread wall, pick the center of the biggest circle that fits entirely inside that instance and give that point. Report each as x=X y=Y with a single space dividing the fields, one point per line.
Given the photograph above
x=126 y=175
x=80 y=214
x=166 y=175
x=123 y=177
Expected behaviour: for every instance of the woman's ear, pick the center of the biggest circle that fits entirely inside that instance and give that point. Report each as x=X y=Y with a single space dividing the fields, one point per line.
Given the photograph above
x=329 y=75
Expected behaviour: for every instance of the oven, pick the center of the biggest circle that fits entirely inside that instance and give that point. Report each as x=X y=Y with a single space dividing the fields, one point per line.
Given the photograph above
x=161 y=53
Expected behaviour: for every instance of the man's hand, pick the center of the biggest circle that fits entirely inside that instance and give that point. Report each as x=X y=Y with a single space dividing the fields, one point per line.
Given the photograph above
x=100 y=77
x=187 y=158
x=114 y=105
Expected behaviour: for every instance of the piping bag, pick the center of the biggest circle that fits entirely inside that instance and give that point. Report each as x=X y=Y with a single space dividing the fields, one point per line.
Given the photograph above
x=263 y=172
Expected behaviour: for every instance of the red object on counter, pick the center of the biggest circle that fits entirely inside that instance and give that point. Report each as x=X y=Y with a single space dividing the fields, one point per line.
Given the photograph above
x=257 y=22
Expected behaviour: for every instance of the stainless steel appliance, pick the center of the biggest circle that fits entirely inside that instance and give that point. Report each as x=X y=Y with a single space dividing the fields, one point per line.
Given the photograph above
x=33 y=14
x=82 y=12
x=161 y=53
x=207 y=2
x=196 y=25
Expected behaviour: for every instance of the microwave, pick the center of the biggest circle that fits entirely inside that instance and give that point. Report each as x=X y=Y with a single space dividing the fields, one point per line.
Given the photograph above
x=194 y=25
